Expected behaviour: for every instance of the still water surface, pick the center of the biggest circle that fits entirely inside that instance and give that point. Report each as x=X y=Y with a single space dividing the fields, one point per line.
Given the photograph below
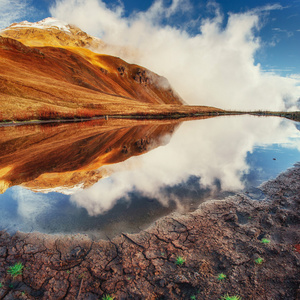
x=125 y=177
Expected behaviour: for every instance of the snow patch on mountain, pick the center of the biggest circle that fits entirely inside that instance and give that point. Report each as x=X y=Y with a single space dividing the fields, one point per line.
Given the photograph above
x=44 y=24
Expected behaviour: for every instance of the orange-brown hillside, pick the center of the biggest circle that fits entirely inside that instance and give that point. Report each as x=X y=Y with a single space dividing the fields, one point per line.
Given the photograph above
x=48 y=72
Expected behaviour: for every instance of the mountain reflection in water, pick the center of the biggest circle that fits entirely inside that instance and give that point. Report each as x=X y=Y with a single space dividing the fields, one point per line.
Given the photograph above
x=197 y=160
x=64 y=156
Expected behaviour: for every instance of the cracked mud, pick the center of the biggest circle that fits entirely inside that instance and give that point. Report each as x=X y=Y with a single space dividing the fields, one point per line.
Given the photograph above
x=220 y=237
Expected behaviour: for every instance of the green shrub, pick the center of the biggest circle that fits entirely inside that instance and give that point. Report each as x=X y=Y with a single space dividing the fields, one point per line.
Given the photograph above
x=179 y=261
x=221 y=276
x=265 y=241
x=107 y=297
x=259 y=260
x=227 y=297
x=15 y=270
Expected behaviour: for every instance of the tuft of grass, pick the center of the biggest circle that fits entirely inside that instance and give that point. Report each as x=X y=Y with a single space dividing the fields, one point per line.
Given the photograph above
x=193 y=297
x=15 y=270
x=1 y=285
x=179 y=261
x=227 y=297
x=265 y=241
x=221 y=276
x=259 y=260
x=107 y=297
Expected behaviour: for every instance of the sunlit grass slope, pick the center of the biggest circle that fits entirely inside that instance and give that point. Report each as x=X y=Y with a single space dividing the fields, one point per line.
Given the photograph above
x=51 y=74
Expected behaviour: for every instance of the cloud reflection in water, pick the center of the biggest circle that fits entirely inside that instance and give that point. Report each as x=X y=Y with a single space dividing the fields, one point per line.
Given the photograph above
x=212 y=150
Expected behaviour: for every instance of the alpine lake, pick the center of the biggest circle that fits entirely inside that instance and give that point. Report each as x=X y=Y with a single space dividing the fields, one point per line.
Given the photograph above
x=105 y=177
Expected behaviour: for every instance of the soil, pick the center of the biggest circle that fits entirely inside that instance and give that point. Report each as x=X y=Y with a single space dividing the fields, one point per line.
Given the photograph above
x=220 y=237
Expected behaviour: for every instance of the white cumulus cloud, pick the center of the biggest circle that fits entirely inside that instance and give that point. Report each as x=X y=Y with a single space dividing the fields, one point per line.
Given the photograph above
x=214 y=67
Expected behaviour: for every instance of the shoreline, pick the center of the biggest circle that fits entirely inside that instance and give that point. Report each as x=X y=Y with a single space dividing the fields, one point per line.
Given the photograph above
x=222 y=236
x=295 y=116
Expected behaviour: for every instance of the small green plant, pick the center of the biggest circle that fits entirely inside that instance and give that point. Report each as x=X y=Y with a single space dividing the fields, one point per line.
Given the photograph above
x=259 y=260
x=15 y=270
x=179 y=261
x=82 y=275
x=221 y=276
x=227 y=297
x=68 y=271
x=193 y=297
x=107 y=297
x=23 y=293
x=1 y=285
x=11 y=286
x=265 y=241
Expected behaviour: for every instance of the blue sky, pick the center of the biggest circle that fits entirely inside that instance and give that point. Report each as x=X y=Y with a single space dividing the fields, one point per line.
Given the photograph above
x=280 y=31
x=205 y=48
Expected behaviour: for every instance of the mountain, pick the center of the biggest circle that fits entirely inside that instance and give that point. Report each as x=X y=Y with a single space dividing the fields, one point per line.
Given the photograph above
x=47 y=70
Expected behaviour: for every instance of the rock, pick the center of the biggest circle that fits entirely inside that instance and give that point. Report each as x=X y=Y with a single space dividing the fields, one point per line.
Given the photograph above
x=121 y=70
x=141 y=77
x=180 y=279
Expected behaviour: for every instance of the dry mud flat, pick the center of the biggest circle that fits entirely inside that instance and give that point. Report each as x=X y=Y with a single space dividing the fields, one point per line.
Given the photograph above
x=220 y=237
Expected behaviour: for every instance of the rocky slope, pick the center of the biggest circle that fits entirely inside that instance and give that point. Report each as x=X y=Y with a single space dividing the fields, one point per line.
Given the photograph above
x=220 y=237
x=47 y=71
